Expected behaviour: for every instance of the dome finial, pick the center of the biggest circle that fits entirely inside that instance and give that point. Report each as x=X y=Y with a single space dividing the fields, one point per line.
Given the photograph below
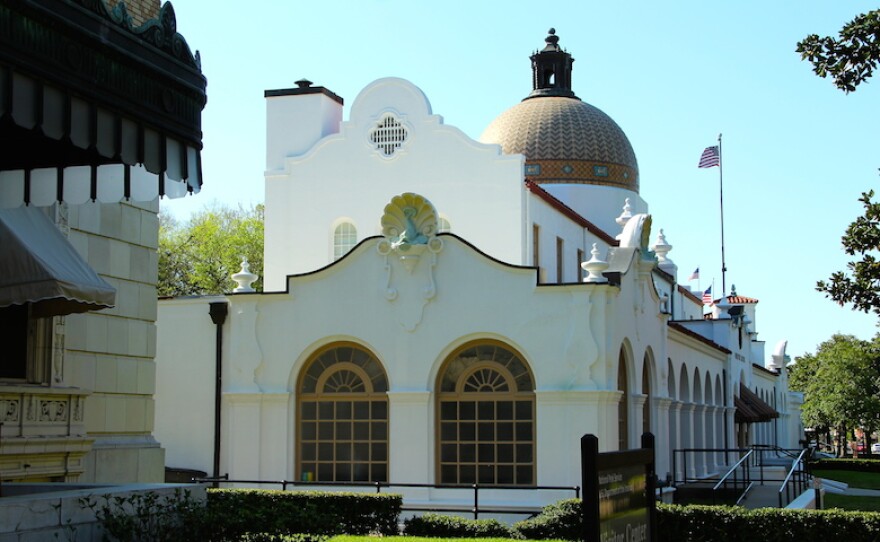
x=551 y=70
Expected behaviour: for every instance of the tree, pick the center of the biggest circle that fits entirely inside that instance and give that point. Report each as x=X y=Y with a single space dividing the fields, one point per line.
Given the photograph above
x=849 y=60
x=861 y=286
x=200 y=256
x=841 y=384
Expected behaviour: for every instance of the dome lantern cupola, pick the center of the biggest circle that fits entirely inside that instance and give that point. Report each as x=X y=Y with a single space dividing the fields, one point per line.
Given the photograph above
x=551 y=70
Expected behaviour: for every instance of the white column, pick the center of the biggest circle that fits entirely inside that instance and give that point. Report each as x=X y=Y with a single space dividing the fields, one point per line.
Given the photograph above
x=687 y=438
x=662 y=435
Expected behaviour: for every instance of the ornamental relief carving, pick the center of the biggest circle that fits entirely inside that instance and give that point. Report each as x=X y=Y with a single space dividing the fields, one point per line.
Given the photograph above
x=53 y=410
x=10 y=410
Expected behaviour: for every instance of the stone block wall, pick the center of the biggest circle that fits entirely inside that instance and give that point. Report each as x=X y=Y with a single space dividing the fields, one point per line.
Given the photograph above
x=111 y=351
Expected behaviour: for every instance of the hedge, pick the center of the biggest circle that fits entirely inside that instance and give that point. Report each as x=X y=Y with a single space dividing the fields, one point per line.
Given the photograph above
x=235 y=512
x=711 y=523
x=438 y=525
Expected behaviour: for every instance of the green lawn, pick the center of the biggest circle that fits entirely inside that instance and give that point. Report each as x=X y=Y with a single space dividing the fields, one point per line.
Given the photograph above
x=863 y=480
x=851 y=502
x=349 y=538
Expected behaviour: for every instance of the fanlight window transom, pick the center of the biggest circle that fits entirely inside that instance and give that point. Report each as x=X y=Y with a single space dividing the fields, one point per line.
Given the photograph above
x=388 y=135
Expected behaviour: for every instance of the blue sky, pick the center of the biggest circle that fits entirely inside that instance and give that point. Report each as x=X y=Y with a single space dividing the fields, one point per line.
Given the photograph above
x=797 y=151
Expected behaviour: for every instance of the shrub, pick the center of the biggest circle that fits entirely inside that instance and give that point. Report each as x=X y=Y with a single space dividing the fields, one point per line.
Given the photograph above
x=438 y=525
x=562 y=520
x=237 y=512
x=711 y=523
x=149 y=516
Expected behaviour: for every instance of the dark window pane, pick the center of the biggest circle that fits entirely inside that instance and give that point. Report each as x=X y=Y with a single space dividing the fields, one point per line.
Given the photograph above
x=467 y=453
x=447 y=431
x=380 y=410
x=467 y=431
x=308 y=411
x=325 y=472
x=343 y=410
x=448 y=474
x=487 y=474
x=486 y=431
x=466 y=410
x=505 y=474
x=343 y=472
x=361 y=472
x=523 y=453
x=523 y=410
x=486 y=410
x=380 y=452
x=361 y=410
x=343 y=353
x=505 y=453
x=524 y=431
x=325 y=451
x=325 y=430
x=343 y=430
x=449 y=453
x=308 y=469
x=486 y=453
x=362 y=430
x=505 y=432
x=380 y=430
x=505 y=410
x=448 y=410
x=325 y=410
x=343 y=452
x=309 y=431
x=361 y=452
x=467 y=474
x=308 y=452
x=379 y=472
x=524 y=475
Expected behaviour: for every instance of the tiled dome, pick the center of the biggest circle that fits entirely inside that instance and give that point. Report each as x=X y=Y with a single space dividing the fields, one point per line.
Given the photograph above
x=564 y=139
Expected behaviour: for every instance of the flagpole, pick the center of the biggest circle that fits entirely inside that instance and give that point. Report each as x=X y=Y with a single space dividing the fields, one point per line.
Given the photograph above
x=721 y=195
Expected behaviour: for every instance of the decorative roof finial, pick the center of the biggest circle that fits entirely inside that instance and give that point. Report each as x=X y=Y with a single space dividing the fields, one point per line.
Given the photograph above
x=552 y=40
x=625 y=215
x=594 y=267
x=244 y=278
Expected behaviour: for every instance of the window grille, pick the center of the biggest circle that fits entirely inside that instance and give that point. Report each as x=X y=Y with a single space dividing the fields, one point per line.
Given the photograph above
x=388 y=135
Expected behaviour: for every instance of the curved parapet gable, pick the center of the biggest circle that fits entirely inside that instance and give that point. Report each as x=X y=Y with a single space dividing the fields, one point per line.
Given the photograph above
x=402 y=96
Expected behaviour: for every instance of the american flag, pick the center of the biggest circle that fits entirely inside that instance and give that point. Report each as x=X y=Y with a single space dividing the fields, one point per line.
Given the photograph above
x=707 y=296
x=710 y=157
x=695 y=275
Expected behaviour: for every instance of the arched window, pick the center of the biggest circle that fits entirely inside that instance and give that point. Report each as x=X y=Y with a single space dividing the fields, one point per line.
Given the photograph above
x=623 y=405
x=343 y=417
x=486 y=417
x=344 y=239
x=445 y=226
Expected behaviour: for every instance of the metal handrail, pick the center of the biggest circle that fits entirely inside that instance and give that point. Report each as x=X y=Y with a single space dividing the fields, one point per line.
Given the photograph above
x=797 y=467
x=743 y=463
x=476 y=509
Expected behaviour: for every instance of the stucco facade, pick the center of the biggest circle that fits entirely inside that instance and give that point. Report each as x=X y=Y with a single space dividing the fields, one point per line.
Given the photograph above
x=478 y=349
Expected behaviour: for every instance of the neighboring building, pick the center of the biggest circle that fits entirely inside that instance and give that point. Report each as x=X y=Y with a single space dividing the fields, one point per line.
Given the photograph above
x=100 y=114
x=443 y=310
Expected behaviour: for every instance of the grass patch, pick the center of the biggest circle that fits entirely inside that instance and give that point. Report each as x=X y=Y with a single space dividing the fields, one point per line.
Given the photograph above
x=863 y=480
x=347 y=538
x=851 y=502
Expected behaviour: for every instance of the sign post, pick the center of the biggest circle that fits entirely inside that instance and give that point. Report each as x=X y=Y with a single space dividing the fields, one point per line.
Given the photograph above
x=618 y=501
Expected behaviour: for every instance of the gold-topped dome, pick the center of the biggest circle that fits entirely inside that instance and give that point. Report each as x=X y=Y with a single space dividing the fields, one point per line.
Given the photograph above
x=564 y=139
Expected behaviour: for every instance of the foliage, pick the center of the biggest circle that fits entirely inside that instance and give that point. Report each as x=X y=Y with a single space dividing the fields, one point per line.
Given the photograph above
x=849 y=60
x=238 y=511
x=841 y=384
x=438 y=525
x=148 y=516
x=560 y=520
x=199 y=256
x=298 y=537
x=861 y=286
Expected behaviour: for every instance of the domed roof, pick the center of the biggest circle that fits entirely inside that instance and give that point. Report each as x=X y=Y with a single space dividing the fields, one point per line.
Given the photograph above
x=564 y=139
